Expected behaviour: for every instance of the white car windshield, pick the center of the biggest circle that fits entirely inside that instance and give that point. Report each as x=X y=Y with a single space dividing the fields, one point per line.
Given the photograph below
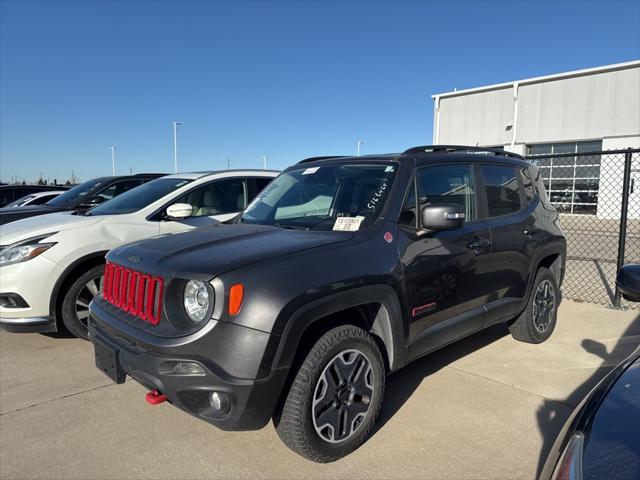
x=139 y=197
x=21 y=201
x=328 y=197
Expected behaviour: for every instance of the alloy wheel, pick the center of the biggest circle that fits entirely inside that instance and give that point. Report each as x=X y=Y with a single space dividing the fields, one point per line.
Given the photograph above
x=342 y=396
x=544 y=302
x=84 y=297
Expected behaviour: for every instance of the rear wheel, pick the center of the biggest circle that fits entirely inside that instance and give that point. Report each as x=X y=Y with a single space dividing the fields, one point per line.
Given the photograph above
x=75 y=304
x=335 y=397
x=538 y=320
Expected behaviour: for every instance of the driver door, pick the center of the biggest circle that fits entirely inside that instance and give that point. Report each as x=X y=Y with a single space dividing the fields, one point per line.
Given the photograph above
x=447 y=273
x=213 y=202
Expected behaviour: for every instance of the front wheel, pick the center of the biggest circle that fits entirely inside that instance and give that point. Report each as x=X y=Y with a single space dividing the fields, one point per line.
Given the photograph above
x=335 y=397
x=75 y=304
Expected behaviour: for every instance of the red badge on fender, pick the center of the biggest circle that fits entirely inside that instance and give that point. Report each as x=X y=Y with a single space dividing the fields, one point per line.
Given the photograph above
x=388 y=237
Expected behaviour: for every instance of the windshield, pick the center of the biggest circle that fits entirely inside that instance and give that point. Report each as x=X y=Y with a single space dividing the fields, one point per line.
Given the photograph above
x=20 y=201
x=71 y=197
x=139 y=197
x=329 y=197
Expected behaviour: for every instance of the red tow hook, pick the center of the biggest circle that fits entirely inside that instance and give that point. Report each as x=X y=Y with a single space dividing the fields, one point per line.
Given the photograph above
x=154 y=397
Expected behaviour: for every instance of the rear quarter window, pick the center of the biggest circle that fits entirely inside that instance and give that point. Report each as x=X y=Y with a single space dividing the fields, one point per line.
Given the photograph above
x=527 y=184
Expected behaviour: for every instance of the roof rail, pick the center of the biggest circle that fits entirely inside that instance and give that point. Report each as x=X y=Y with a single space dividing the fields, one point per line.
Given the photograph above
x=461 y=148
x=313 y=159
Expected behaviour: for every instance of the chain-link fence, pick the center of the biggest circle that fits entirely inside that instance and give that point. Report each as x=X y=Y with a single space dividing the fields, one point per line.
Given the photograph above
x=599 y=214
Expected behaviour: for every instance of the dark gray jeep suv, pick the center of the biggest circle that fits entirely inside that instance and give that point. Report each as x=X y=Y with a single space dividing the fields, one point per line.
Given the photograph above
x=342 y=270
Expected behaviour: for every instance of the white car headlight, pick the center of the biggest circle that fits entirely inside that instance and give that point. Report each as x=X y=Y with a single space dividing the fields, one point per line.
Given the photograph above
x=196 y=300
x=25 y=250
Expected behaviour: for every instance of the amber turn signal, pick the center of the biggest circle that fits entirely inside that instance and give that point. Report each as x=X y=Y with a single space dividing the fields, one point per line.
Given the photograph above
x=236 y=294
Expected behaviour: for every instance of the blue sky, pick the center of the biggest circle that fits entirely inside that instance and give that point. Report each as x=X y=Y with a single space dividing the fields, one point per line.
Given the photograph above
x=283 y=79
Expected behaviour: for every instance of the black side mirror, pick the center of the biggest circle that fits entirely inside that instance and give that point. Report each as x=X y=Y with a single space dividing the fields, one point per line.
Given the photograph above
x=628 y=282
x=447 y=216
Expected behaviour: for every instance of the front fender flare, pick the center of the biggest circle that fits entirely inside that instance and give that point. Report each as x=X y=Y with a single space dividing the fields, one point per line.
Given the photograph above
x=388 y=325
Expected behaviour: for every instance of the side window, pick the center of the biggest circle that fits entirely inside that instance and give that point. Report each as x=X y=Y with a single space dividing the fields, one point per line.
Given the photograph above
x=216 y=198
x=408 y=216
x=539 y=183
x=501 y=184
x=6 y=196
x=448 y=184
x=43 y=199
x=117 y=188
x=21 y=192
x=529 y=190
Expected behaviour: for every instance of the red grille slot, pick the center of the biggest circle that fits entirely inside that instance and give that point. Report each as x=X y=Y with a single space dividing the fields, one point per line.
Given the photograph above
x=133 y=292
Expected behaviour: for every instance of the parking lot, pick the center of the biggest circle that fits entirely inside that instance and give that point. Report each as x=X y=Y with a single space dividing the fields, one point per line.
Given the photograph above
x=486 y=407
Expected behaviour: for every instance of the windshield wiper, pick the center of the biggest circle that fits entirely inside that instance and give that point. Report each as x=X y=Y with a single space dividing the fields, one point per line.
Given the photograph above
x=290 y=227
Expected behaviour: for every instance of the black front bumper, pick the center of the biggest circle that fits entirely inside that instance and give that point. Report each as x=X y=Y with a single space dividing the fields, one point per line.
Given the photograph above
x=251 y=401
x=32 y=325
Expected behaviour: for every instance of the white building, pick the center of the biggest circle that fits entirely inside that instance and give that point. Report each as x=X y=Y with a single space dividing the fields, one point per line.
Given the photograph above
x=584 y=110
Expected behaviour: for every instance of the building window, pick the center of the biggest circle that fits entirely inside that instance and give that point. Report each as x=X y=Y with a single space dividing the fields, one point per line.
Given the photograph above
x=572 y=182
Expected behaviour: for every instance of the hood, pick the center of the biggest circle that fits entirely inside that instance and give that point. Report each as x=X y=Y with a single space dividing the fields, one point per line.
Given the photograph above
x=8 y=211
x=42 y=224
x=11 y=214
x=207 y=252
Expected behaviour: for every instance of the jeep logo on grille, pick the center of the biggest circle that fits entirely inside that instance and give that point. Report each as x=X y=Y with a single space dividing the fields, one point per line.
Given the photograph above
x=134 y=259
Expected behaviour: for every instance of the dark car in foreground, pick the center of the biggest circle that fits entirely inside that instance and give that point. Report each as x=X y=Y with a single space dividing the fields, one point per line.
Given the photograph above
x=342 y=270
x=81 y=197
x=11 y=193
x=601 y=439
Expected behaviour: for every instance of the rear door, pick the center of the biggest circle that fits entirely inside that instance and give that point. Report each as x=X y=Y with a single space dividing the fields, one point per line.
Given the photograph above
x=446 y=273
x=509 y=214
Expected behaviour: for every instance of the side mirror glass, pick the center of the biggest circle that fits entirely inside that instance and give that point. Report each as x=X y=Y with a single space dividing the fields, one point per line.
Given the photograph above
x=628 y=282
x=443 y=217
x=179 y=211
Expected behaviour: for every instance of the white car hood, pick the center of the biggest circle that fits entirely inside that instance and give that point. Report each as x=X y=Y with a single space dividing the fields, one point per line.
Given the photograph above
x=35 y=226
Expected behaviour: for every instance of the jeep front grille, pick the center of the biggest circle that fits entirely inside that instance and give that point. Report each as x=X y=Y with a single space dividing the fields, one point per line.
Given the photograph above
x=133 y=292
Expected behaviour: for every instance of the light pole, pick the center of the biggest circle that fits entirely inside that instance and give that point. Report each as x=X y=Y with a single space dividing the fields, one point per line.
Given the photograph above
x=360 y=142
x=175 y=145
x=113 y=160
x=264 y=160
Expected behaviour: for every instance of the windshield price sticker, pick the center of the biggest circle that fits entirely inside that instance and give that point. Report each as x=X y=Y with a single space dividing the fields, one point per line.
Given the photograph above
x=348 y=224
x=309 y=171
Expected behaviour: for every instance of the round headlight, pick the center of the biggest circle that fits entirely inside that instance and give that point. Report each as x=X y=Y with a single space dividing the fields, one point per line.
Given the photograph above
x=196 y=300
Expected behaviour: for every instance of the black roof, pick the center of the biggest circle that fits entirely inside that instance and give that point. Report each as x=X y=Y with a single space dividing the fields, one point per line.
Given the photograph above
x=430 y=152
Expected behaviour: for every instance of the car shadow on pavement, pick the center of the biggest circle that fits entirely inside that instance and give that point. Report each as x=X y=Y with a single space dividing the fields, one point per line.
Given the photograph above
x=553 y=414
x=403 y=383
x=60 y=334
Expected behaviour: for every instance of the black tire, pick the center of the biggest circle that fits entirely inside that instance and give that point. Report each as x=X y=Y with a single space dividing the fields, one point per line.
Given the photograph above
x=296 y=424
x=75 y=302
x=536 y=323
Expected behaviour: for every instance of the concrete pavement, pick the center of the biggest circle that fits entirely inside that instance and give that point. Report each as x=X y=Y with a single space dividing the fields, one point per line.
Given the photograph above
x=486 y=407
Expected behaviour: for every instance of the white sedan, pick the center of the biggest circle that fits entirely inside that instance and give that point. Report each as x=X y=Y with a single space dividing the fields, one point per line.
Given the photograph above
x=51 y=266
x=35 y=198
